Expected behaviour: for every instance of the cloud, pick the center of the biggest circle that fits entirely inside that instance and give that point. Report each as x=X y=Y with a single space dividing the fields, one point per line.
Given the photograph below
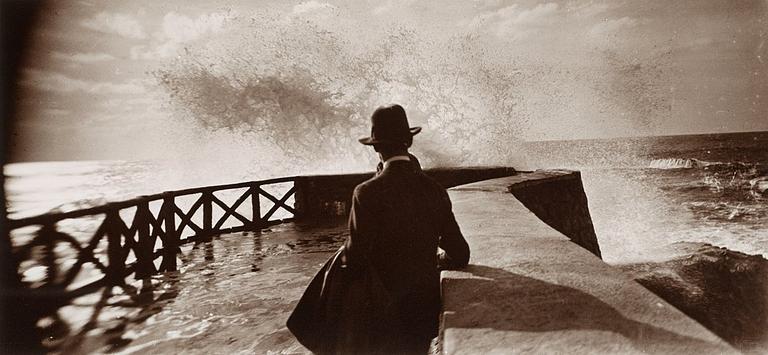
x=609 y=27
x=514 y=22
x=56 y=112
x=587 y=9
x=176 y=30
x=179 y=28
x=83 y=57
x=533 y=16
x=488 y=4
x=131 y=103
x=701 y=42
x=311 y=6
x=142 y=52
x=391 y=5
x=60 y=83
x=118 y=24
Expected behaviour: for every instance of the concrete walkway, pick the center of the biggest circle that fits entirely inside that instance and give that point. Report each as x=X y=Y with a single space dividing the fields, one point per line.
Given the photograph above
x=529 y=289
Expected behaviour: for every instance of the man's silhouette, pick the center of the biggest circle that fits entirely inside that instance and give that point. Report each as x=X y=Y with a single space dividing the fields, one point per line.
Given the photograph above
x=398 y=220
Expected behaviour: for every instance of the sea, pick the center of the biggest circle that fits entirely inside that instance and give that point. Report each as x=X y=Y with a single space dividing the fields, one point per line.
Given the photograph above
x=644 y=194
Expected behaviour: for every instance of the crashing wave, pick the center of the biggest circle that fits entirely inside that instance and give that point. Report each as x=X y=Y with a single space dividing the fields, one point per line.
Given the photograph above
x=720 y=169
x=678 y=163
x=759 y=185
x=301 y=88
x=691 y=163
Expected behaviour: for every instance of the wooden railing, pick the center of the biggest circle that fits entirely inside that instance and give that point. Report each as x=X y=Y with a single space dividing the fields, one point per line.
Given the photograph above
x=138 y=232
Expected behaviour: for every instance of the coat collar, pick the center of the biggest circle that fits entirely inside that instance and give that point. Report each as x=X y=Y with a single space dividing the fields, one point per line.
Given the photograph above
x=398 y=165
x=396 y=159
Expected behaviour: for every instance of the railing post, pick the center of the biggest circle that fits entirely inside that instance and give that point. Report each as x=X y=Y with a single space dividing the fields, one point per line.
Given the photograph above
x=256 y=208
x=171 y=242
x=49 y=256
x=207 y=215
x=116 y=266
x=300 y=198
x=145 y=259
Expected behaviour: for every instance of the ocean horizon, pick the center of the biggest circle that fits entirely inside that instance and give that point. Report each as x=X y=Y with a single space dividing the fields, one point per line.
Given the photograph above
x=642 y=191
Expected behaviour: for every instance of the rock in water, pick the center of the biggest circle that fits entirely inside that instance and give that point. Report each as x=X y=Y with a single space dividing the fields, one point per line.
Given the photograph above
x=724 y=290
x=759 y=184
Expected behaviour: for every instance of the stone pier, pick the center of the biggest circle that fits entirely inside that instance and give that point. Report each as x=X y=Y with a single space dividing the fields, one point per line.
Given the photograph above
x=536 y=284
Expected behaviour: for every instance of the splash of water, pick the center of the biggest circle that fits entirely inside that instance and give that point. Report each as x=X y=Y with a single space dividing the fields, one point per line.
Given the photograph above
x=299 y=91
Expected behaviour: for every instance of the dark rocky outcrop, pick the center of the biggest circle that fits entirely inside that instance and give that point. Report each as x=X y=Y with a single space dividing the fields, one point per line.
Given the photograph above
x=724 y=290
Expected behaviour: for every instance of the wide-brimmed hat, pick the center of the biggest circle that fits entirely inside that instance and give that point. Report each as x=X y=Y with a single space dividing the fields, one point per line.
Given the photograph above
x=389 y=125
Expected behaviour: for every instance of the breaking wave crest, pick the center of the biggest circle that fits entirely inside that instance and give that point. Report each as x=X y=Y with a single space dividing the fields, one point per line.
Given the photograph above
x=692 y=163
x=678 y=163
x=718 y=176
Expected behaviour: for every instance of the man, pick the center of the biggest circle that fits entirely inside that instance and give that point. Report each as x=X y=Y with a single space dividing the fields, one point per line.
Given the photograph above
x=398 y=219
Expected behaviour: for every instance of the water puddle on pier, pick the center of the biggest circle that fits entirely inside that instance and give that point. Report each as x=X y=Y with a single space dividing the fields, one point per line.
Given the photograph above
x=230 y=295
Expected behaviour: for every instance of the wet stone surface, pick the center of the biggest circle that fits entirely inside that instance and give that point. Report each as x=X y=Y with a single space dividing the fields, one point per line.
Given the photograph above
x=230 y=295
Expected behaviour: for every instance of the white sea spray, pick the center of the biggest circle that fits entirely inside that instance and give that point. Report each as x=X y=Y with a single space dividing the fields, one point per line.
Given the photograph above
x=294 y=93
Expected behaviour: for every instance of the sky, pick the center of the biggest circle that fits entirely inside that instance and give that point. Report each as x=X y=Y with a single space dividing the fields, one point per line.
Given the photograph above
x=89 y=88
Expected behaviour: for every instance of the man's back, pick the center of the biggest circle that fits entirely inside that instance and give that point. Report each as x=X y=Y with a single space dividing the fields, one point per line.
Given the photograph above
x=398 y=220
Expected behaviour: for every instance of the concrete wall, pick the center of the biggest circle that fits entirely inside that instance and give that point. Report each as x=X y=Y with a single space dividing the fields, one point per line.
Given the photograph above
x=323 y=196
x=559 y=201
x=530 y=289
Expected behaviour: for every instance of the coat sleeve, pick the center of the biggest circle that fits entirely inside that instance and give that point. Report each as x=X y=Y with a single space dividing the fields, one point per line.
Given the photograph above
x=361 y=233
x=456 y=249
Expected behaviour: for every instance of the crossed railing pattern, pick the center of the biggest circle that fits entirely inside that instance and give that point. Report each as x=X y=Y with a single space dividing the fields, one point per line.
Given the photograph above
x=158 y=226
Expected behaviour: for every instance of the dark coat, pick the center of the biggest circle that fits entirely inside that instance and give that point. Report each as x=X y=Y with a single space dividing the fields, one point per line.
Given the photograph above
x=388 y=286
x=397 y=221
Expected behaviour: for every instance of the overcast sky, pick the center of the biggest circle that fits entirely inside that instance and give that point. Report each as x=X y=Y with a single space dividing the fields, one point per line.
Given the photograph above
x=88 y=93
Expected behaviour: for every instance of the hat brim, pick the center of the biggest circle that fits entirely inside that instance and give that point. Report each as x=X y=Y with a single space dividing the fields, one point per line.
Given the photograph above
x=371 y=141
